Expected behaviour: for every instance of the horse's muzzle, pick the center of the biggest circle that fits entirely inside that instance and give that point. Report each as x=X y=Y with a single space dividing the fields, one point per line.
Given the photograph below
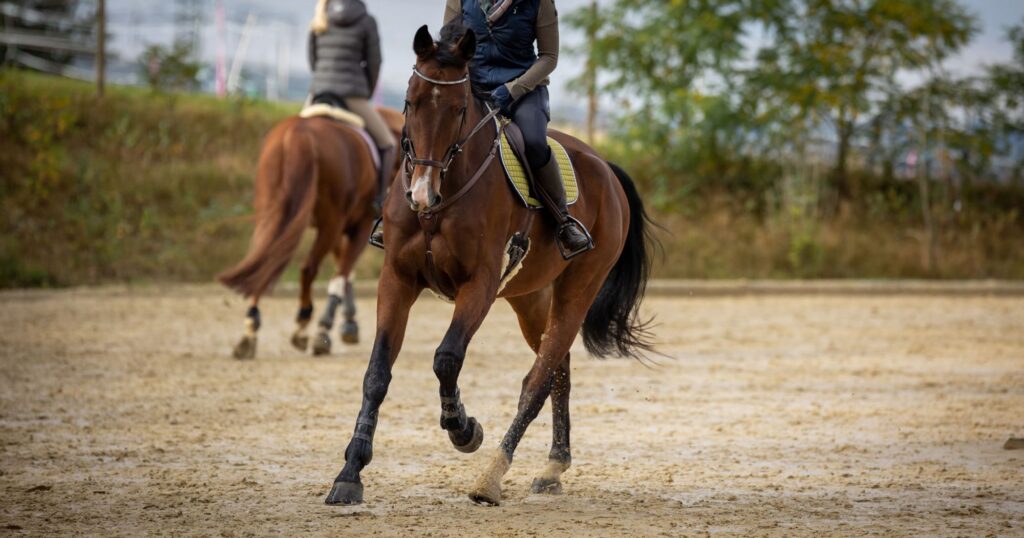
x=422 y=195
x=417 y=207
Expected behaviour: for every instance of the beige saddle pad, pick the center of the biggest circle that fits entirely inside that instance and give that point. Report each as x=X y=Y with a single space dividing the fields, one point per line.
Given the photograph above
x=335 y=113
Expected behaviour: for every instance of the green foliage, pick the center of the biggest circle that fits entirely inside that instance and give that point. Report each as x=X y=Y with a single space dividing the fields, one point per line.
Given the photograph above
x=170 y=69
x=786 y=126
x=1007 y=92
x=132 y=186
x=141 y=186
x=712 y=83
x=655 y=53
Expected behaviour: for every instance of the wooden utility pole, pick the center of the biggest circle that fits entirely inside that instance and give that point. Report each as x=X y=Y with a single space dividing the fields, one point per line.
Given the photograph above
x=591 y=74
x=101 y=46
x=924 y=188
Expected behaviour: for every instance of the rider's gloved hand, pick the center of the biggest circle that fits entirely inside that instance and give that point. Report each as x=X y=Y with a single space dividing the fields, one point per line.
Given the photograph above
x=503 y=100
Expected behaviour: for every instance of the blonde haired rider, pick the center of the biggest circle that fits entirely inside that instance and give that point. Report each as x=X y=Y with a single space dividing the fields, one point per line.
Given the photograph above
x=344 y=54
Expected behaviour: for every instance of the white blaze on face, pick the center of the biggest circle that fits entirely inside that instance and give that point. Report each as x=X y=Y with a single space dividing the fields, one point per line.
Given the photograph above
x=421 y=188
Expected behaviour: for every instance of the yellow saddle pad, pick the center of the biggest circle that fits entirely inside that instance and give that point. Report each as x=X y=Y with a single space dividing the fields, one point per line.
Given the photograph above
x=517 y=176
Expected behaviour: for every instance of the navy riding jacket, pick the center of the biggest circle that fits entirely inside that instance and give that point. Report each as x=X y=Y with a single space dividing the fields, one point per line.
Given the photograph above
x=504 y=50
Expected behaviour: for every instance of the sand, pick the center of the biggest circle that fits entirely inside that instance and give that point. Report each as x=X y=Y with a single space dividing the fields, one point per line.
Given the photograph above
x=121 y=413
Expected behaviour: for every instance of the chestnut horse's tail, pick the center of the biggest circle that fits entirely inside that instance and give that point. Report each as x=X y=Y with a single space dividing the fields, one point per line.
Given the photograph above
x=285 y=195
x=613 y=327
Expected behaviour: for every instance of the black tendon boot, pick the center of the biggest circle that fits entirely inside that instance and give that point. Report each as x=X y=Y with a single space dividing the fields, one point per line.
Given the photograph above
x=573 y=237
x=387 y=166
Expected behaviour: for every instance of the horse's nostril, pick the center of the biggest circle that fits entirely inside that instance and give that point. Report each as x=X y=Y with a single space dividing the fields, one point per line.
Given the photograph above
x=437 y=200
x=408 y=196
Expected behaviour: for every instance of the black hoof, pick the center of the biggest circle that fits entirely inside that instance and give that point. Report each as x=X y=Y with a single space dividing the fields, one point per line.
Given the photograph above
x=245 y=349
x=547 y=486
x=470 y=439
x=321 y=344
x=350 y=332
x=300 y=341
x=345 y=493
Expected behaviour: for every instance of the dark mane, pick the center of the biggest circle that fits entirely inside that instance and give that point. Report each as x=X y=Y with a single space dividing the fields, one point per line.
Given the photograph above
x=451 y=34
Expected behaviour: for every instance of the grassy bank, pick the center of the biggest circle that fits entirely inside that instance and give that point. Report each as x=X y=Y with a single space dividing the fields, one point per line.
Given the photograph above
x=146 y=187
x=133 y=186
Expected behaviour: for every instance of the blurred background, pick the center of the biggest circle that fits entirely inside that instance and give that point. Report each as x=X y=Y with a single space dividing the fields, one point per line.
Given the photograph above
x=771 y=138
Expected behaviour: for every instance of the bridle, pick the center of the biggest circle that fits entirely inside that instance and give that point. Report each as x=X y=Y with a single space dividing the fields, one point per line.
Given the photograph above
x=453 y=151
x=430 y=217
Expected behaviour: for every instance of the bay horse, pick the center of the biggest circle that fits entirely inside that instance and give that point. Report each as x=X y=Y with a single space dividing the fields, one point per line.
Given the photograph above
x=447 y=231
x=315 y=172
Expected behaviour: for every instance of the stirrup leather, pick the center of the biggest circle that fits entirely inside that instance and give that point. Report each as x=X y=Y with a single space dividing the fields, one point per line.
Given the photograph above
x=373 y=233
x=572 y=221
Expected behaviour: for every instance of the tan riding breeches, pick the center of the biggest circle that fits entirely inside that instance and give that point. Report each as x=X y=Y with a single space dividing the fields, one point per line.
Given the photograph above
x=375 y=124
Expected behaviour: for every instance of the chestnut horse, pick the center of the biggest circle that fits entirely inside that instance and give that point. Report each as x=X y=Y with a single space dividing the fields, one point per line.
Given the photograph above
x=453 y=241
x=312 y=172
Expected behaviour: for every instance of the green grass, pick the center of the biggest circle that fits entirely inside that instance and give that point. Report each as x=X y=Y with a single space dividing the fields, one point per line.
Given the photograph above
x=134 y=186
x=140 y=187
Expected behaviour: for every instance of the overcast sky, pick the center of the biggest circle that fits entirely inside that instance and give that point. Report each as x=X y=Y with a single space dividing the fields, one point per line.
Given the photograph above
x=280 y=32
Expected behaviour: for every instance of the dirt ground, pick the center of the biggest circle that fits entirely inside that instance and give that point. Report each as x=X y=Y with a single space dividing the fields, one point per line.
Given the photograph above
x=121 y=414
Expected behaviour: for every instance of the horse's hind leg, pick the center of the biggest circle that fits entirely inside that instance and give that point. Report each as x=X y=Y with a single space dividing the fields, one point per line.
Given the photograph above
x=340 y=292
x=355 y=244
x=245 y=349
x=532 y=311
x=326 y=237
x=568 y=310
x=335 y=298
x=560 y=458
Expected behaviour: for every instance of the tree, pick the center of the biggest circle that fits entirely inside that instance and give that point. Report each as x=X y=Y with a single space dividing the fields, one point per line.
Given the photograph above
x=830 y=62
x=1006 y=87
x=672 y=66
x=170 y=69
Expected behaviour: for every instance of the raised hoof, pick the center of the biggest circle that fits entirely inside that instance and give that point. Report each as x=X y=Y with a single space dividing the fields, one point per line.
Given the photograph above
x=350 y=332
x=300 y=341
x=476 y=439
x=345 y=493
x=546 y=486
x=321 y=344
x=245 y=349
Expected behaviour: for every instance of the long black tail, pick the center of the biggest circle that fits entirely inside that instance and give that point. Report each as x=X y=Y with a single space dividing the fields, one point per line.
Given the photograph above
x=613 y=327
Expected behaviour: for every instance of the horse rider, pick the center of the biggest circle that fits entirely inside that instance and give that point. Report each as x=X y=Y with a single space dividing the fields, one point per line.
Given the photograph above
x=507 y=65
x=509 y=68
x=344 y=54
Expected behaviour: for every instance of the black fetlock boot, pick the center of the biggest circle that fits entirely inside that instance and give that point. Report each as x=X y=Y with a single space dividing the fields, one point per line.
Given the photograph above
x=573 y=237
x=387 y=165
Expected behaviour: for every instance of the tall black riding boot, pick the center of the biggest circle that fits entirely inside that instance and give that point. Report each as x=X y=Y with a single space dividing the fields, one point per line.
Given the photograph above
x=387 y=166
x=573 y=237
x=384 y=175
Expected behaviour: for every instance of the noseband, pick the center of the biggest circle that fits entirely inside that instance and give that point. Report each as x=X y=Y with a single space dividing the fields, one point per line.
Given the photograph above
x=453 y=151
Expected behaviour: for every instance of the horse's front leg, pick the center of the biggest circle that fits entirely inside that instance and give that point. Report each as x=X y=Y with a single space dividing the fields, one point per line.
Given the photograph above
x=472 y=303
x=395 y=298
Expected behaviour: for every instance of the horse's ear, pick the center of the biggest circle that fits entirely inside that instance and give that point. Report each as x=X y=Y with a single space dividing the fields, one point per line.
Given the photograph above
x=467 y=45
x=423 y=44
